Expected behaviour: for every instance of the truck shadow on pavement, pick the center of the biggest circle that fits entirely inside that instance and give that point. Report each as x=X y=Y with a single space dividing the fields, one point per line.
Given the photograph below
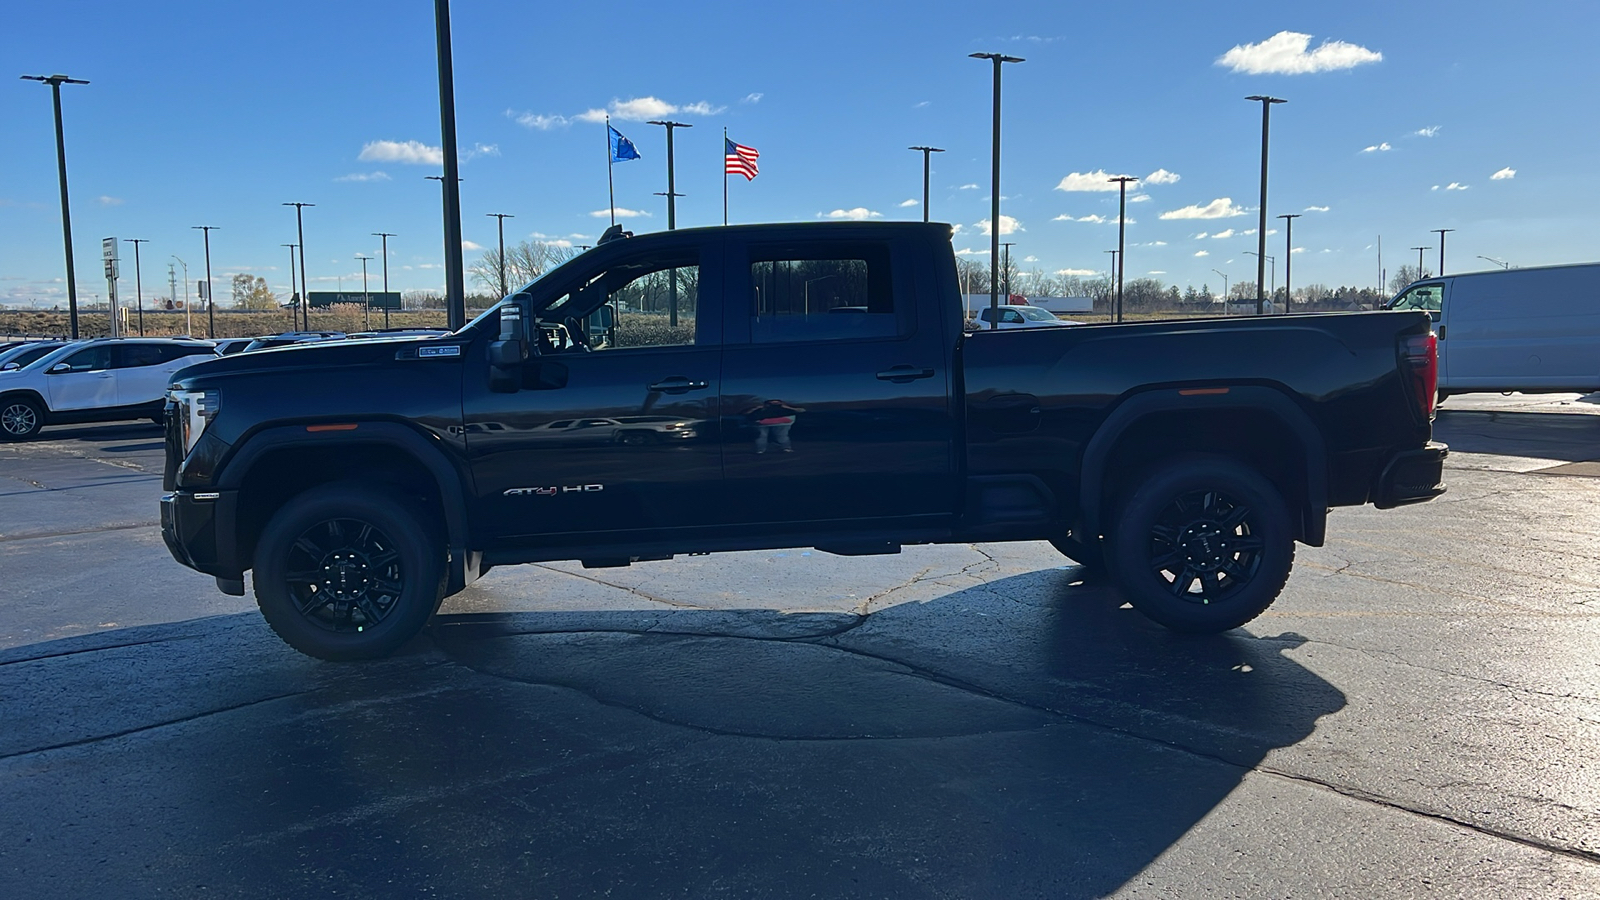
x=1563 y=436
x=1026 y=737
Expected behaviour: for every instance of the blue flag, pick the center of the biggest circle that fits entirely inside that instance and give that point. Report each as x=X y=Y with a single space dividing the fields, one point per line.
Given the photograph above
x=621 y=148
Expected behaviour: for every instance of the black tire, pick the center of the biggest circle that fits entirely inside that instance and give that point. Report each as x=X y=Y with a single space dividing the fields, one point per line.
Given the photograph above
x=20 y=418
x=1204 y=544
x=346 y=573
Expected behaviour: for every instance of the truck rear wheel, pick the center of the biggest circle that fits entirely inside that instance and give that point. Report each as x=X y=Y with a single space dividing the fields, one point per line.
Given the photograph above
x=346 y=573
x=1203 y=545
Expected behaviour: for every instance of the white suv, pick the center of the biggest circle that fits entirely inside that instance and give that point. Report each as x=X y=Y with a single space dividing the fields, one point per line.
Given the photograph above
x=1022 y=317
x=93 y=381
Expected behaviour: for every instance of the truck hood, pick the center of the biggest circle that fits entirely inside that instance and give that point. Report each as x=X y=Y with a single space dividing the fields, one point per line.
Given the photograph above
x=323 y=355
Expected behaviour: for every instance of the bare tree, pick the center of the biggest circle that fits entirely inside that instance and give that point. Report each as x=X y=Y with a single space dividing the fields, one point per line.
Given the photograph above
x=525 y=262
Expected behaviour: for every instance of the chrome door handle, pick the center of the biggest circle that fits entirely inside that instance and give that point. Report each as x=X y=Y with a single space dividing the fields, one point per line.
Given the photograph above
x=903 y=374
x=677 y=384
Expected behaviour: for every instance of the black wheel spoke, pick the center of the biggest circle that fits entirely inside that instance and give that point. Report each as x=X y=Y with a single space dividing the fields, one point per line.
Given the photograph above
x=316 y=603
x=1210 y=586
x=369 y=609
x=1234 y=571
x=1235 y=518
x=310 y=547
x=1167 y=534
x=302 y=576
x=1171 y=560
x=1246 y=543
x=1181 y=584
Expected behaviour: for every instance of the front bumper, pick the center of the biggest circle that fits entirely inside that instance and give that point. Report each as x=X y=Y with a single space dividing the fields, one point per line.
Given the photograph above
x=198 y=528
x=1411 y=476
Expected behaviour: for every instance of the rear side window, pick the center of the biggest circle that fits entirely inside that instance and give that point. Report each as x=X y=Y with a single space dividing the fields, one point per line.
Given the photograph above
x=823 y=292
x=132 y=356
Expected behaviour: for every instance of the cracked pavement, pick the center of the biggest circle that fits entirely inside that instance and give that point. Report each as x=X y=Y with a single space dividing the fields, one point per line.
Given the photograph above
x=1418 y=714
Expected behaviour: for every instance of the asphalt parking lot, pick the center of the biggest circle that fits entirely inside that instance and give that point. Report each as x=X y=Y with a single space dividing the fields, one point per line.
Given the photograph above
x=1418 y=715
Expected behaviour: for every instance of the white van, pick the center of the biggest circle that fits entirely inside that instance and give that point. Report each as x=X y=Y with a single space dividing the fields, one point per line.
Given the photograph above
x=1533 y=330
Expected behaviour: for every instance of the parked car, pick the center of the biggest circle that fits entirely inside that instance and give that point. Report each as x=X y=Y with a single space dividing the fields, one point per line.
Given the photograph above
x=18 y=355
x=290 y=338
x=1534 y=330
x=102 y=380
x=1021 y=317
x=230 y=346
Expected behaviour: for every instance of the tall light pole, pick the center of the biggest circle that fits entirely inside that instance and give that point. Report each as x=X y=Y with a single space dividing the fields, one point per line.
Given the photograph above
x=294 y=295
x=1005 y=267
x=1224 y=288
x=1261 y=229
x=384 y=236
x=366 y=298
x=455 y=279
x=501 y=221
x=672 y=212
x=1499 y=262
x=188 y=322
x=1273 y=261
x=138 y=281
x=211 y=299
x=1288 y=260
x=55 y=82
x=1122 y=231
x=999 y=59
x=926 y=151
x=1419 y=250
x=305 y=286
x=1441 y=232
x=1111 y=284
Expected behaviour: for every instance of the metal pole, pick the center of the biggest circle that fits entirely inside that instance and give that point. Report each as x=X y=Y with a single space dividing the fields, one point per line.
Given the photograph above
x=1441 y=233
x=501 y=221
x=1288 y=259
x=138 y=281
x=1224 y=288
x=366 y=298
x=926 y=152
x=1261 y=229
x=211 y=297
x=305 y=286
x=55 y=82
x=188 y=322
x=1111 y=284
x=455 y=283
x=1122 y=230
x=1419 y=259
x=672 y=210
x=384 y=236
x=294 y=295
x=1005 y=268
x=994 y=200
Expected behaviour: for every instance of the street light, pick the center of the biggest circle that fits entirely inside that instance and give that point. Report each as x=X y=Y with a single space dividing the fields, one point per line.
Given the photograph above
x=211 y=302
x=188 y=323
x=366 y=298
x=55 y=82
x=501 y=221
x=384 y=236
x=1005 y=267
x=138 y=283
x=1122 y=231
x=305 y=286
x=1499 y=262
x=1441 y=232
x=1273 y=260
x=926 y=151
x=1261 y=229
x=1420 y=273
x=455 y=278
x=672 y=212
x=1288 y=260
x=999 y=59
x=1224 y=288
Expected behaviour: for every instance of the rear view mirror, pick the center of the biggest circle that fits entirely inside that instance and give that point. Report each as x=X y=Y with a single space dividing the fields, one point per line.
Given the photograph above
x=601 y=319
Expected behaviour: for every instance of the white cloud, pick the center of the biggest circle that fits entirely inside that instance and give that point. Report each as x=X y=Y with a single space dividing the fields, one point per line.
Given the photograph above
x=967 y=187
x=970 y=252
x=1285 y=54
x=1377 y=148
x=1098 y=180
x=1430 y=131
x=1318 y=208
x=1030 y=259
x=753 y=97
x=1456 y=186
x=859 y=214
x=956 y=228
x=1138 y=198
x=920 y=104
x=469 y=245
x=537 y=121
x=409 y=152
x=1080 y=273
x=478 y=150
x=1220 y=208
x=1008 y=225
x=1202 y=235
x=364 y=176
x=1298 y=250
x=1064 y=217
x=1228 y=233
x=1158 y=243
x=1202 y=253
x=1504 y=174
x=906 y=203
x=640 y=109
x=1162 y=176
x=621 y=213
x=560 y=242
x=106 y=200
x=1156 y=272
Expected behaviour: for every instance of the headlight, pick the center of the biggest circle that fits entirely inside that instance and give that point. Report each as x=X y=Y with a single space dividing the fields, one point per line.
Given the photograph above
x=194 y=411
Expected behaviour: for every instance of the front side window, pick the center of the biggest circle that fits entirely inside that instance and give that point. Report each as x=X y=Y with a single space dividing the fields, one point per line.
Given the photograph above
x=822 y=293
x=89 y=359
x=649 y=302
x=1429 y=297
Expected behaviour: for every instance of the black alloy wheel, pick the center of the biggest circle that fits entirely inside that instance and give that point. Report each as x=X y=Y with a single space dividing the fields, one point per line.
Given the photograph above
x=1203 y=545
x=347 y=572
x=20 y=418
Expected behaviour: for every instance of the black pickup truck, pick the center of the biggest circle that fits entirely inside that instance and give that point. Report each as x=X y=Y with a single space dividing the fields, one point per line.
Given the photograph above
x=803 y=385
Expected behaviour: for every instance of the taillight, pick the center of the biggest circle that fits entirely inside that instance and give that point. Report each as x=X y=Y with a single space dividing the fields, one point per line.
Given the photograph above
x=1421 y=355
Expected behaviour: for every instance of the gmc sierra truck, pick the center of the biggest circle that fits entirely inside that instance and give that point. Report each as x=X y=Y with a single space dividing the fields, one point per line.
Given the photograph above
x=767 y=386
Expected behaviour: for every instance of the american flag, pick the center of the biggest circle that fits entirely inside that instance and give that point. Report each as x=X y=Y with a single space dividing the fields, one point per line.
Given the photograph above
x=741 y=160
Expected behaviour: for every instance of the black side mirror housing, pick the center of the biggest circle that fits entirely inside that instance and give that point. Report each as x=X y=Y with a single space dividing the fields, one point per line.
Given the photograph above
x=511 y=350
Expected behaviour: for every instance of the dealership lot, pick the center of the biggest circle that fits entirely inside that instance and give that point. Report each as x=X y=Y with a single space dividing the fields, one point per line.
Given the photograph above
x=1418 y=714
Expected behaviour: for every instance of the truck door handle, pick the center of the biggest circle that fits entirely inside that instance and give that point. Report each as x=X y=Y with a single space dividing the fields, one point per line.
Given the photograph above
x=678 y=384
x=904 y=374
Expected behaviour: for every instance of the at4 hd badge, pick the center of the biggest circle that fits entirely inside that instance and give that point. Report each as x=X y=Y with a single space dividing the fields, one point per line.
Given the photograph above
x=554 y=490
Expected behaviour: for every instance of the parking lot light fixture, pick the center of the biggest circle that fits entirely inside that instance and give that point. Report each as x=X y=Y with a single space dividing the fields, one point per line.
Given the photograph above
x=384 y=236
x=138 y=280
x=926 y=152
x=1288 y=259
x=211 y=300
x=55 y=82
x=1122 y=231
x=366 y=298
x=999 y=60
x=305 y=286
x=1261 y=229
x=1420 y=273
x=1441 y=232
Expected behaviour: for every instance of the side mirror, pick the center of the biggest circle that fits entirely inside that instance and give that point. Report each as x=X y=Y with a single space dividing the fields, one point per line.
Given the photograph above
x=58 y=368
x=507 y=354
x=9 y=367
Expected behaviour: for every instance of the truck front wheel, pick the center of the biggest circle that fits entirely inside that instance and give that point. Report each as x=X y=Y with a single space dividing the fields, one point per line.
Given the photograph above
x=346 y=573
x=1203 y=545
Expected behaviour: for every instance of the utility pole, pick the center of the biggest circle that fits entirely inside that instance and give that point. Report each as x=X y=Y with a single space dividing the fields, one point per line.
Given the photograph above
x=55 y=82
x=138 y=283
x=1288 y=259
x=1441 y=232
x=1261 y=229
x=926 y=151
x=999 y=59
x=1122 y=230
x=384 y=236
x=366 y=298
x=211 y=302
x=305 y=286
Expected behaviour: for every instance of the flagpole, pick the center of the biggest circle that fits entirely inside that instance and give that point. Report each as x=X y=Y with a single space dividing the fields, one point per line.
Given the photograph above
x=724 y=176
x=611 y=186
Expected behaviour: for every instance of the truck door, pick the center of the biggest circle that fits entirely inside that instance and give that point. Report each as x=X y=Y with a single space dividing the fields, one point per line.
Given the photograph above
x=555 y=459
x=836 y=387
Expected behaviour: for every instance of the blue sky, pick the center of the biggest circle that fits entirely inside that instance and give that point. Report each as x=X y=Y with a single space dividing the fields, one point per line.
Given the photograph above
x=216 y=113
